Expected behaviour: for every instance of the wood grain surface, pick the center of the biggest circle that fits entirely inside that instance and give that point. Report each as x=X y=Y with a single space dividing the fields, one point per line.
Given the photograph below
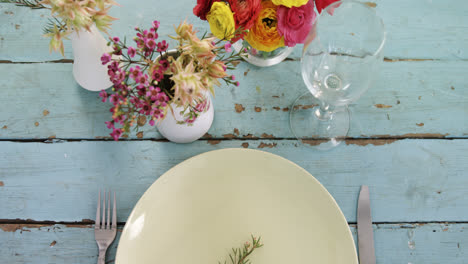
x=408 y=136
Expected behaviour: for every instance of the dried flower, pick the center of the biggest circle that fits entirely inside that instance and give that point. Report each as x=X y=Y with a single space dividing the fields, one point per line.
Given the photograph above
x=71 y=15
x=147 y=88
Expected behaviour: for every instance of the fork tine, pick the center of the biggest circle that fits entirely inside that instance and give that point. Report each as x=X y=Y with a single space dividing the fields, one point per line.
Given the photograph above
x=98 y=212
x=108 y=211
x=103 y=226
x=114 y=215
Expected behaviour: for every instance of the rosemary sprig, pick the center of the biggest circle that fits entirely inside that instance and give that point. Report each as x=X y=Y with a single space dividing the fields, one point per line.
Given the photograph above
x=53 y=24
x=240 y=255
x=33 y=4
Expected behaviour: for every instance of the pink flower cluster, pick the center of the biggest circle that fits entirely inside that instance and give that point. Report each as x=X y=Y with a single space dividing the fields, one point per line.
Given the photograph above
x=134 y=86
x=146 y=41
x=146 y=88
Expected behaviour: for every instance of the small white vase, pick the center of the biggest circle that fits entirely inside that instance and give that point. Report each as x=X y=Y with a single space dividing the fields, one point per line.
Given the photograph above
x=186 y=133
x=88 y=47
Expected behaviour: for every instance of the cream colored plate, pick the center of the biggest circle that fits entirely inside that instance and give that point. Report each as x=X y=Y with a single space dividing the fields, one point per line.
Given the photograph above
x=197 y=211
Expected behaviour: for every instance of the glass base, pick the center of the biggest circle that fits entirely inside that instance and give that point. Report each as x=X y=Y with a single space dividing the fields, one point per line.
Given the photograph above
x=317 y=129
x=260 y=58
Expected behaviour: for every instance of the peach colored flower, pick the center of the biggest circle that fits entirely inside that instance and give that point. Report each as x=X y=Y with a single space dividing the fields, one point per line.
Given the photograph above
x=264 y=34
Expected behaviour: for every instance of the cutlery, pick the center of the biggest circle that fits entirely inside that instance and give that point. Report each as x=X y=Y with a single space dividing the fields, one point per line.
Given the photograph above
x=104 y=232
x=364 y=228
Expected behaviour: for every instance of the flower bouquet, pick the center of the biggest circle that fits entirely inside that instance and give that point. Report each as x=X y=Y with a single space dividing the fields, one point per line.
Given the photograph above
x=167 y=88
x=270 y=28
x=82 y=21
x=69 y=16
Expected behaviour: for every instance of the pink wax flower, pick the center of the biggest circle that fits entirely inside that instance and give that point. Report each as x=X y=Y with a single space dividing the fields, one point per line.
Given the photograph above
x=150 y=44
x=116 y=133
x=145 y=108
x=143 y=79
x=120 y=119
x=105 y=58
x=157 y=113
x=295 y=23
x=162 y=46
x=116 y=39
x=117 y=50
x=135 y=72
x=114 y=99
x=110 y=124
x=153 y=92
x=227 y=47
x=158 y=76
x=156 y=24
x=131 y=52
x=164 y=64
x=152 y=35
x=103 y=94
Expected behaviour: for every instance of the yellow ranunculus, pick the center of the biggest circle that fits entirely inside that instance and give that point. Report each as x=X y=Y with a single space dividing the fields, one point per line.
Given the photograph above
x=264 y=34
x=221 y=21
x=290 y=3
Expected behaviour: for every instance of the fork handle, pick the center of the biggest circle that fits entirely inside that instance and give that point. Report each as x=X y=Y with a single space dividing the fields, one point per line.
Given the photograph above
x=102 y=257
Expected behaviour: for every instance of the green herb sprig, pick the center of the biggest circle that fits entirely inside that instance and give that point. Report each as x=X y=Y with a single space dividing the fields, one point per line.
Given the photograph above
x=34 y=4
x=240 y=255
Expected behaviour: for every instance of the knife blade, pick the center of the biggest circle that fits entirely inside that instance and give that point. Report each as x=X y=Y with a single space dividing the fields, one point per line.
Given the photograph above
x=364 y=225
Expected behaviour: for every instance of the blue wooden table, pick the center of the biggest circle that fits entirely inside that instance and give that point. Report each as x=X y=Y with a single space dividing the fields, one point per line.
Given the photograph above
x=408 y=137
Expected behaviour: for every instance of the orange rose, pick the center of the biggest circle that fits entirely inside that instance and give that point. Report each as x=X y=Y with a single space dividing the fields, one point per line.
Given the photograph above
x=264 y=34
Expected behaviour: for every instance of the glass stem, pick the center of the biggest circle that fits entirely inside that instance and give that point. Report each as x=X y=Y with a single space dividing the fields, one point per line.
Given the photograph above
x=324 y=112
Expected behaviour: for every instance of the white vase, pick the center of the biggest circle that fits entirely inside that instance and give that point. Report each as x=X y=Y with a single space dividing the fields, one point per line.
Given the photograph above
x=186 y=133
x=88 y=47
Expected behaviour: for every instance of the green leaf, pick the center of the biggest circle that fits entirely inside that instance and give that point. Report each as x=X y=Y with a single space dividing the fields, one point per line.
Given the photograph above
x=34 y=4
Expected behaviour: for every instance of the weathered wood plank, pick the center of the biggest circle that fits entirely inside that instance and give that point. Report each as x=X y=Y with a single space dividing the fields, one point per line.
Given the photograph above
x=394 y=243
x=410 y=180
x=409 y=99
x=416 y=29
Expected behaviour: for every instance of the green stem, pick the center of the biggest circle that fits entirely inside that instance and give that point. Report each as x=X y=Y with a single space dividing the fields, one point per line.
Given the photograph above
x=34 y=4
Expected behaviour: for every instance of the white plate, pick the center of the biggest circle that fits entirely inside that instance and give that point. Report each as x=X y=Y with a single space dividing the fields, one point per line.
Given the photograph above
x=197 y=211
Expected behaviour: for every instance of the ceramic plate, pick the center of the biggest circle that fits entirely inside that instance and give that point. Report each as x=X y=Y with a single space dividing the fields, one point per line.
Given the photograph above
x=197 y=211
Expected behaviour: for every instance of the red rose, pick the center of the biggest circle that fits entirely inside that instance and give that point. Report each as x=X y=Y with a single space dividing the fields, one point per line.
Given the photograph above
x=245 y=12
x=203 y=7
x=322 y=4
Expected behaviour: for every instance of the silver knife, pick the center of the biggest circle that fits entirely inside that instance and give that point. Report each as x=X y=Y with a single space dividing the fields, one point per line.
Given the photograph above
x=364 y=228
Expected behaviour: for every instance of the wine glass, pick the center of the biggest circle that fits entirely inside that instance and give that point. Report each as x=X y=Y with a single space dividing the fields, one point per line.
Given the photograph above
x=341 y=55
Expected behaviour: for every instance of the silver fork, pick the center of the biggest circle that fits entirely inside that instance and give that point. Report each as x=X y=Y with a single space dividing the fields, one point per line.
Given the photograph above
x=103 y=231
